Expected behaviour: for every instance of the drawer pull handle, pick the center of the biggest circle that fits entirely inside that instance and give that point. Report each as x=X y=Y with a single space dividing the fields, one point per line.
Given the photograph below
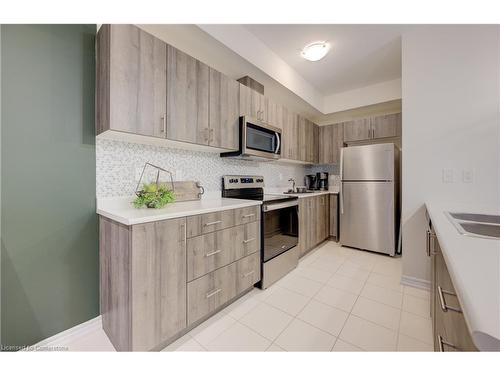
x=213 y=223
x=212 y=253
x=245 y=275
x=247 y=216
x=249 y=240
x=442 y=343
x=442 y=302
x=213 y=293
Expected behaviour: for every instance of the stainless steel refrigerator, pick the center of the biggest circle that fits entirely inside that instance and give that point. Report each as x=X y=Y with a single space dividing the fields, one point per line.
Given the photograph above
x=369 y=197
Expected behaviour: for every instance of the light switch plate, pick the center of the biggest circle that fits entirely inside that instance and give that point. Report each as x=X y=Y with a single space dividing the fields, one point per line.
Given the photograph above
x=448 y=175
x=468 y=176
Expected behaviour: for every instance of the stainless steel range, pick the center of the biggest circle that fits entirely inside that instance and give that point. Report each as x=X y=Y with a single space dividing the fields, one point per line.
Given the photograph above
x=279 y=225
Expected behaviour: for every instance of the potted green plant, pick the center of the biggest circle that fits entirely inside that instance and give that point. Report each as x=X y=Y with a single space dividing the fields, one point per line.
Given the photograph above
x=154 y=194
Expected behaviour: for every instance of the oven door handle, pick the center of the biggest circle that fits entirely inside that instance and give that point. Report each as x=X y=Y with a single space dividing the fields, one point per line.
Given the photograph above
x=278 y=206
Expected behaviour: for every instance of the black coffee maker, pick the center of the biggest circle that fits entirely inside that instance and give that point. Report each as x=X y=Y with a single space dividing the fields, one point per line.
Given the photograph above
x=322 y=180
x=311 y=182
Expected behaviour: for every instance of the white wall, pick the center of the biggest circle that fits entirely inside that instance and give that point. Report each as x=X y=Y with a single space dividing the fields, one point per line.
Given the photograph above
x=450 y=95
x=368 y=95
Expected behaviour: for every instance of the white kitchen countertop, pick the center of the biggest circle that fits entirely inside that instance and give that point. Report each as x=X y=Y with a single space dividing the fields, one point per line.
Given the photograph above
x=474 y=266
x=122 y=210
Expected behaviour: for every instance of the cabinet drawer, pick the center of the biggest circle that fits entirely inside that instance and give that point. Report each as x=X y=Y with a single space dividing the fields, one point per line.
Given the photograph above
x=450 y=325
x=207 y=293
x=211 y=251
x=211 y=222
x=211 y=291
x=247 y=272
x=246 y=215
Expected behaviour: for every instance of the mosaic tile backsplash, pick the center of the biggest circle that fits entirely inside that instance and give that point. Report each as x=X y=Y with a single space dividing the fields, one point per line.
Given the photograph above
x=118 y=167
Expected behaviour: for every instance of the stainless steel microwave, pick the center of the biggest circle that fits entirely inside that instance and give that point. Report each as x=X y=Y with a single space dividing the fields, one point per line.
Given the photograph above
x=258 y=141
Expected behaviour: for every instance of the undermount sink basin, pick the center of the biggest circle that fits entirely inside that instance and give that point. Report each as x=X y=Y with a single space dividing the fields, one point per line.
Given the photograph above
x=481 y=229
x=476 y=225
x=478 y=218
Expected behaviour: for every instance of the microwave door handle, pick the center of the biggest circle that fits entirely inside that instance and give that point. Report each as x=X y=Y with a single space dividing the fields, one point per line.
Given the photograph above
x=278 y=144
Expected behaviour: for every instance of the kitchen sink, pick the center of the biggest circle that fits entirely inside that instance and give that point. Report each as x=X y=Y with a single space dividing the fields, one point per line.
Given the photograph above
x=476 y=225
x=478 y=218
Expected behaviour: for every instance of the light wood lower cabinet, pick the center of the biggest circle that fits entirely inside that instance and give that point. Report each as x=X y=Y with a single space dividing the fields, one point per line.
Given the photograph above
x=208 y=252
x=313 y=221
x=143 y=282
x=334 y=215
x=450 y=329
x=211 y=291
x=211 y=222
x=156 y=282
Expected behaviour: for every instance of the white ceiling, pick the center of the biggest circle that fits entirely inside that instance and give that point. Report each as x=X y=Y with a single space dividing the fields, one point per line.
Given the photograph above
x=360 y=55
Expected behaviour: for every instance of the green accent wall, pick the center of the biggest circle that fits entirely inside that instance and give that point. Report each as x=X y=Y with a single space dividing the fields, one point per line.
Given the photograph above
x=49 y=241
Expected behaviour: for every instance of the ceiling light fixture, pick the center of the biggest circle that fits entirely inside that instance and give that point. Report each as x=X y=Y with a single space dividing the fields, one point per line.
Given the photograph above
x=315 y=51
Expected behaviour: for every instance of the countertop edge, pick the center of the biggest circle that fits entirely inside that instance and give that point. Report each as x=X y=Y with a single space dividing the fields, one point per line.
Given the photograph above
x=483 y=340
x=173 y=215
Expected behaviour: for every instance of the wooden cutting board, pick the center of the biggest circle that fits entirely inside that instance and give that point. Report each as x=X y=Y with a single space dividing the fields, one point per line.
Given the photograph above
x=187 y=190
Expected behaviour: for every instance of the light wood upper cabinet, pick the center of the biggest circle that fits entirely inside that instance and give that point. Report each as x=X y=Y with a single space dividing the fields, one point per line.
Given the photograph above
x=376 y=127
x=357 y=130
x=131 y=81
x=224 y=111
x=187 y=98
x=158 y=282
x=386 y=126
x=252 y=103
x=290 y=135
x=331 y=140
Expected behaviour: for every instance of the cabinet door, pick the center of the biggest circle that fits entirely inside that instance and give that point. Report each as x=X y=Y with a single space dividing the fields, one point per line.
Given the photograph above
x=326 y=148
x=252 y=103
x=187 y=98
x=224 y=111
x=386 y=126
x=290 y=135
x=357 y=130
x=315 y=144
x=333 y=215
x=304 y=224
x=137 y=76
x=302 y=135
x=159 y=277
x=331 y=141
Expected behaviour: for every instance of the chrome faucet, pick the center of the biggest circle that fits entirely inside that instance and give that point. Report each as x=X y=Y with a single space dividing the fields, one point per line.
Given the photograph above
x=293 y=184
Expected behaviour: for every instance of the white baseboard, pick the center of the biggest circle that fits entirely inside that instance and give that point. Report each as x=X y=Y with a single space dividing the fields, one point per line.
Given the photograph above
x=64 y=338
x=416 y=282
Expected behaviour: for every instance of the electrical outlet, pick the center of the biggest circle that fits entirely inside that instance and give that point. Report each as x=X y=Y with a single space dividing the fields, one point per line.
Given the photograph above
x=468 y=176
x=448 y=175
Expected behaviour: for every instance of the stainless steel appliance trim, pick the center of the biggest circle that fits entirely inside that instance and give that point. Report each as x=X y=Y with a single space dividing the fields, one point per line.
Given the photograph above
x=276 y=268
x=341 y=196
x=213 y=293
x=277 y=206
x=442 y=302
x=212 y=253
x=213 y=223
x=442 y=343
x=250 y=152
x=248 y=274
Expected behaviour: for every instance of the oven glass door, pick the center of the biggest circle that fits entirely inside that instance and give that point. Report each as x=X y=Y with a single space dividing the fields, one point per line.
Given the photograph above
x=261 y=139
x=280 y=232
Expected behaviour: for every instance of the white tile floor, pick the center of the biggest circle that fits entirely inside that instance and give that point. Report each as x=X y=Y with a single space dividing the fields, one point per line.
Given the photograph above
x=338 y=299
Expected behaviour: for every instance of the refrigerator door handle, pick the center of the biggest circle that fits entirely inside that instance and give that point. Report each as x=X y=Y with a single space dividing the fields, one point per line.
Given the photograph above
x=341 y=195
